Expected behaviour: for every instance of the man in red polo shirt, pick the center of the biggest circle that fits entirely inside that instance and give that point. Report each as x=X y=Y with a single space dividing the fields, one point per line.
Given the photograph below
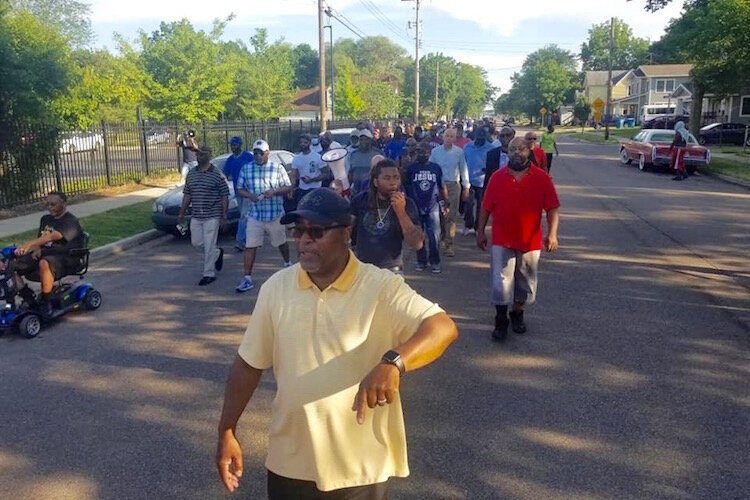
x=515 y=197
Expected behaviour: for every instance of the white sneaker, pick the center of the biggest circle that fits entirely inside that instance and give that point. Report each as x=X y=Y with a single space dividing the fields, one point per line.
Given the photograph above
x=436 y=269
x=465 y=231
x=419 y=267
x=245 y=285
x=288 y=264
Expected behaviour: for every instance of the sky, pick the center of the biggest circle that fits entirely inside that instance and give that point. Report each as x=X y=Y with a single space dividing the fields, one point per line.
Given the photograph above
x=494 y=34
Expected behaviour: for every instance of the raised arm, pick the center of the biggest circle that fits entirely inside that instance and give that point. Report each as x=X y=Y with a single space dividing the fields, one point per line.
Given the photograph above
x=241 y=384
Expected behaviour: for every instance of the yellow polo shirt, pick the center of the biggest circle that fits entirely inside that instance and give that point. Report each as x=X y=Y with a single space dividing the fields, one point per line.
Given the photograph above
x=321 y=344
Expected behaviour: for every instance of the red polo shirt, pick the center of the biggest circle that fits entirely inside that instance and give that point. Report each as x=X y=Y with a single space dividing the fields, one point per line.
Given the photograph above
x=516 y=207
x=541 y=158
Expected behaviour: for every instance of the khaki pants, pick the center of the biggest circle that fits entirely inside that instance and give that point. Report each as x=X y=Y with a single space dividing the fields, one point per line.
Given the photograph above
x=449 y=221
x=203 y=236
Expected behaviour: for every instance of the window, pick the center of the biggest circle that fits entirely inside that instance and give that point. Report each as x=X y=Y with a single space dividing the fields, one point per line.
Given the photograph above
x=745 y=105
x=665 y=85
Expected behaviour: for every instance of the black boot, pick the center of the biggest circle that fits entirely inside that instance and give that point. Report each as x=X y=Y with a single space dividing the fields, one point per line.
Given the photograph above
x=500 y=332
x=45 y=305
x=516 y=321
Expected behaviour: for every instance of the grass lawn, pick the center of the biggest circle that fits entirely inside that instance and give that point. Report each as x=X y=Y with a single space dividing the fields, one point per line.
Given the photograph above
x=731 y=168
x=597 y=135
x=735 y=150
x=104 y=227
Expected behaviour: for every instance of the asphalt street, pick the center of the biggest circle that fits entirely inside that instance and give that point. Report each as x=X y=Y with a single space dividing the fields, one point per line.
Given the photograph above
x=632 y=382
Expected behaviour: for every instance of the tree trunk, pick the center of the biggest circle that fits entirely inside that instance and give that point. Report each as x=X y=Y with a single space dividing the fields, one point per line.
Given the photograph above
x=696 y=107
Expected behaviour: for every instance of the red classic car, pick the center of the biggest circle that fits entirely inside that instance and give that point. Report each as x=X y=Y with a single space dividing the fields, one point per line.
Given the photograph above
x=651 y=149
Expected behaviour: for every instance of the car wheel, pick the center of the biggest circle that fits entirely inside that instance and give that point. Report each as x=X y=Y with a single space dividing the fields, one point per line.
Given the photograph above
x=642 y=163
x=30 y=326
x=624 y=159
x=702 y=140
x=93 y=299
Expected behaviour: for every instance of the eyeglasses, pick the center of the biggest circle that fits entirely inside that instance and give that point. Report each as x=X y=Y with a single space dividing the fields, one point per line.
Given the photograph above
x=532 y=138
x=315 y=232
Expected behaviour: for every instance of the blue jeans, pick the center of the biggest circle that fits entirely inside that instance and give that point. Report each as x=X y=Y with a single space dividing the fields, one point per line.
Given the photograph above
x=431 y=228
x=242 y=224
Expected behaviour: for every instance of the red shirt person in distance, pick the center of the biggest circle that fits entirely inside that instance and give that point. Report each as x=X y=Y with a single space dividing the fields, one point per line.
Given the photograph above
x=515 y=196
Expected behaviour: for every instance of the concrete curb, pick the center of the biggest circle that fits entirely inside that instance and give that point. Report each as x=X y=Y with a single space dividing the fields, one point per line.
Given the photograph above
x=120 y=246
x=726 y=178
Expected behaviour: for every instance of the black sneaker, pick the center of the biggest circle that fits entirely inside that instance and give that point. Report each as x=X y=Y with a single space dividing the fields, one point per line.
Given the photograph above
x=206 y=280
x=220 y=260
x=516 y=321
x=500 y=332
x=677 y=178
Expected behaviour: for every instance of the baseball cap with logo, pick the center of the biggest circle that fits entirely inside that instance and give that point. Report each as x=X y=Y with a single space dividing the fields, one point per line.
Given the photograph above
x=261 y=145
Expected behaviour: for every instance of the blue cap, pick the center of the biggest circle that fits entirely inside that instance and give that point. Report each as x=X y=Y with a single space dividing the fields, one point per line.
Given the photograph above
x=236 y=141
x=321 y=206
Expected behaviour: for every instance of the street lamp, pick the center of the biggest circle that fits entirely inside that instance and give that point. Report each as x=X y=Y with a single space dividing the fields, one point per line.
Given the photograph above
x=333 y=81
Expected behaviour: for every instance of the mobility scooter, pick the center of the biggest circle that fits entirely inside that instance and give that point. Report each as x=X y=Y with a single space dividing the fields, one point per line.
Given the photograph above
x=21 y=309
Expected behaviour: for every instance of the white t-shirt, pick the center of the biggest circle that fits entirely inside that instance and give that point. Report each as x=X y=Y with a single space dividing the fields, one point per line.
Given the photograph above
x=308 y=165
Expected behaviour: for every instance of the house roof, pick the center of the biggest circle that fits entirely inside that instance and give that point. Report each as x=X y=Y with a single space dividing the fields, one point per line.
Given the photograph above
x=652 y=70
x=683 y=90
x=595 y=78
x=617 y=79
x=307 y=100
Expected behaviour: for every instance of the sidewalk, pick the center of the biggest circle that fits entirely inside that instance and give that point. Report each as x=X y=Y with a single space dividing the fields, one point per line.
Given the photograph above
x=28 y=222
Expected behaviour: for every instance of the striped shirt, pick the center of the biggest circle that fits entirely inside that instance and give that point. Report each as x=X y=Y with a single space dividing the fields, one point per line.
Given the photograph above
x=206 y=190
x=257 y=179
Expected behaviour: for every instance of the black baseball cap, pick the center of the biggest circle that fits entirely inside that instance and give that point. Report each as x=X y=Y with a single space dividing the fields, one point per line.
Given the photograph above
x=321 y=206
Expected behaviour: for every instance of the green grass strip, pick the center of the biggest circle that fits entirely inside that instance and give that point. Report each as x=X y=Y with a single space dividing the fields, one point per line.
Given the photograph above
x=103 y=228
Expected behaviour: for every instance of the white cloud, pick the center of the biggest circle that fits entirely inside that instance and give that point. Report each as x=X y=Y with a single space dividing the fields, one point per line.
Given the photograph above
x=504 y=17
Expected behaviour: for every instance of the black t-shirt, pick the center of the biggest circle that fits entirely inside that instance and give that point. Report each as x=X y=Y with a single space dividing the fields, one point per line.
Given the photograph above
x=380 y=244
x=68 y=226
x=188 y=153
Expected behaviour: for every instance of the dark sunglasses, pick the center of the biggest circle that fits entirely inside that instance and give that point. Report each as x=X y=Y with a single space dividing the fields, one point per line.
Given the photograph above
x=532 y=138
x=315 y=232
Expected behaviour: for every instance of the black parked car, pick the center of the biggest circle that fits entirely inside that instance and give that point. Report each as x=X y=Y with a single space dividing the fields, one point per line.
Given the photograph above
x=723 y=133
x=665 y=122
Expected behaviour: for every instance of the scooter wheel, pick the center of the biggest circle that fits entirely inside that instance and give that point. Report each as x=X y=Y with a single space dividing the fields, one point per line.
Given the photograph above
x=93 y=300
x=30 y=326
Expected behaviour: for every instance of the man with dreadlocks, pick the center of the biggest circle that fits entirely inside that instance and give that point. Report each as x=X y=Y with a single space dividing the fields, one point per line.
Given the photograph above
x=384 y=219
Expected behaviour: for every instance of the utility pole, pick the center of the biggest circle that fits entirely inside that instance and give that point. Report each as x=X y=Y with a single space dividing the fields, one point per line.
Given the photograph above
x=333 y=75
x=322 y=67
x=437 y=83
x=417 y=41
x=608 y=114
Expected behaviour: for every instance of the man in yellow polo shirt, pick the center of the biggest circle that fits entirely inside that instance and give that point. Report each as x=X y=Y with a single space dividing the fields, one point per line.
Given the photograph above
x=339 y=335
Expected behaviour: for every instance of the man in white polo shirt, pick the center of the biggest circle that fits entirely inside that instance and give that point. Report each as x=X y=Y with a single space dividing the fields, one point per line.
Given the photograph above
x=339 y=335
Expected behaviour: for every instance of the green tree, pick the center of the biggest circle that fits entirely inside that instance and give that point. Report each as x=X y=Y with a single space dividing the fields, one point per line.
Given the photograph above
x=306 y=66
x=263 y=79
x=547 y=78
x=713 y=35
x=187 y=77
x=36 y=66
x=105 y=87
x=628 y=51
x=70 y=18
x=582 y=110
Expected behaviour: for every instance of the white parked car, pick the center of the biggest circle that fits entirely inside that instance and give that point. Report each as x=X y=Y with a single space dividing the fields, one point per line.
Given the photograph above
x=72 y=142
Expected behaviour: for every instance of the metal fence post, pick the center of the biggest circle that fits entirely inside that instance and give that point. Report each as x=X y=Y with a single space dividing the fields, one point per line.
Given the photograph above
x=204 y=132
x=107 y=166
x=226 y=135
x=141 y=133
x=244 y=130
x=178 y=148
x=291 y=141
x=58 y=174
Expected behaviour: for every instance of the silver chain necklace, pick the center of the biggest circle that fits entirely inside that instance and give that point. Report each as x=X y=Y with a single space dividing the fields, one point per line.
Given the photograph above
x=380 y=224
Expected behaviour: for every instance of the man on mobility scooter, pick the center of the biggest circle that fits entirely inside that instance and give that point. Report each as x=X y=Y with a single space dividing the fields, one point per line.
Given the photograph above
x=59 y=250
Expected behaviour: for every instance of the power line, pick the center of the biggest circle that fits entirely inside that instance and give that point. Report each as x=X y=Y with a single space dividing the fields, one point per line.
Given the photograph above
x=333 y=13
x=384 y=20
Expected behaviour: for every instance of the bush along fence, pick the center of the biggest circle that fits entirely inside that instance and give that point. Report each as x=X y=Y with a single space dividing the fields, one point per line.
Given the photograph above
x=36 y=159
